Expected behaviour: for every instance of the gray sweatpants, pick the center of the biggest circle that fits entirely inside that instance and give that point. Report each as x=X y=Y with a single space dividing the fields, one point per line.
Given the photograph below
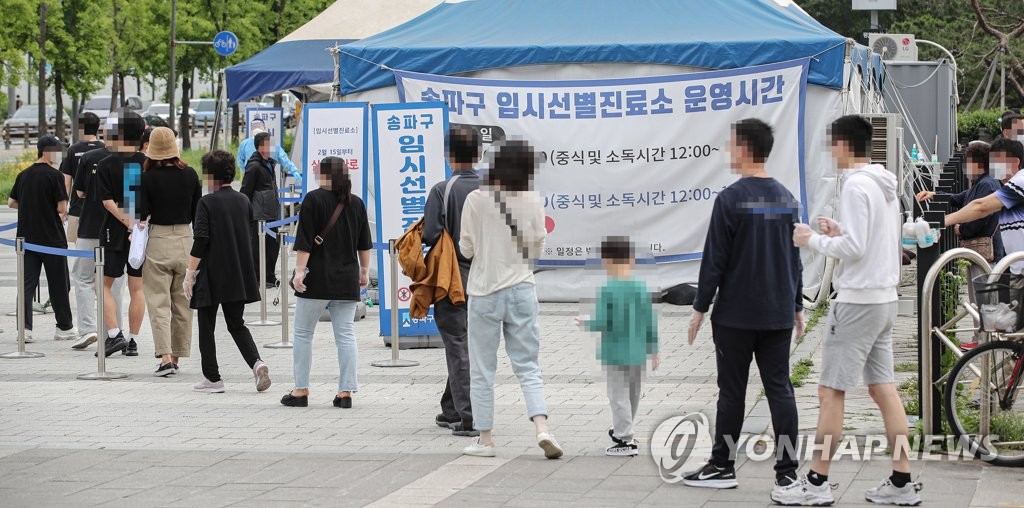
x=624 y=385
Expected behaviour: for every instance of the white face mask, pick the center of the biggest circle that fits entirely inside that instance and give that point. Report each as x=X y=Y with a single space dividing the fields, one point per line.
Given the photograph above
x=1020 y=136
x=1000 y=170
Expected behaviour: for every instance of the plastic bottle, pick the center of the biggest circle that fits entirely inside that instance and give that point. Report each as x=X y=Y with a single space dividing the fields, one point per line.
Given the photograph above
x=914 y=154
x=923 y=231
x=909 y=232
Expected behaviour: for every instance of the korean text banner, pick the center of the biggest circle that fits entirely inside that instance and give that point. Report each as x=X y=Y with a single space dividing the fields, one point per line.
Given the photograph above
x=643 y=157
x=409 y=159
x=272 y=119
x=338 y=129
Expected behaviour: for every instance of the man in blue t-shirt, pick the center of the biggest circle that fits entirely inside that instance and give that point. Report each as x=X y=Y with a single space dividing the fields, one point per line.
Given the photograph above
x=748 y=252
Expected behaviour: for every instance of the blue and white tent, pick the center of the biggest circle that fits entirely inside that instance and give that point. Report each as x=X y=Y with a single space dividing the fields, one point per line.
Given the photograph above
x=300 y=60
x=588 y=39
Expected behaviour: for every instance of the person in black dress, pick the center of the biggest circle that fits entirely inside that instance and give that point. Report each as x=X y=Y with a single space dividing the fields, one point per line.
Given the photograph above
x=221 y=271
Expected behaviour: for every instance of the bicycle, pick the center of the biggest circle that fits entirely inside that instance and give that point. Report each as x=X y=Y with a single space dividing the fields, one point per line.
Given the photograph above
x=981 y=396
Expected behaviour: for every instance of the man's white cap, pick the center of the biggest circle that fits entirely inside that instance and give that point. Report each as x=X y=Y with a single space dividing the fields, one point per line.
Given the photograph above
x=257 y=130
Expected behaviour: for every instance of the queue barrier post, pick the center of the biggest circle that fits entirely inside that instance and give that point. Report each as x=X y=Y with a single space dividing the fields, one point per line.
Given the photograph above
x=394 y=361
x=282 y=235
x=101 y=373
x=262 y=268
x=19 y=249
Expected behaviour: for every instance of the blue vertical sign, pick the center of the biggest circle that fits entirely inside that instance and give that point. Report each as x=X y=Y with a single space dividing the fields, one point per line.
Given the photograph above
x=409 y=159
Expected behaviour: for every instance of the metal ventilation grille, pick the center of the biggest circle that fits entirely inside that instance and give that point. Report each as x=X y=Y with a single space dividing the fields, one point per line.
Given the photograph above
x=879 y=141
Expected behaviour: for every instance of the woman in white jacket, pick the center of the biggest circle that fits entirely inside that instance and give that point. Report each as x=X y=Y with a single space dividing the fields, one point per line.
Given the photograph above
x=502 y=230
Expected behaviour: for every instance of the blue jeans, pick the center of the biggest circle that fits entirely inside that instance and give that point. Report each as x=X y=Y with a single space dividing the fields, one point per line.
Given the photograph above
x=343 y=313
x=513 y=311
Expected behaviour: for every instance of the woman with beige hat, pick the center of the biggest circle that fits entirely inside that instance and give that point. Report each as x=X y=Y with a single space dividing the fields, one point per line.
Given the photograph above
x=168 y=197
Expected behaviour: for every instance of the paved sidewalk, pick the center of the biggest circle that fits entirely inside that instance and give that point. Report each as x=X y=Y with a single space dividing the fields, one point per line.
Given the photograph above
x=149 y=441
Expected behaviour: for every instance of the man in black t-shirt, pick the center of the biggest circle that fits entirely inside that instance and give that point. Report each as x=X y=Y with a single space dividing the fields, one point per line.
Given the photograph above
x=41 y=199
x=88 y=127
x=91 y=214
x=117 y=173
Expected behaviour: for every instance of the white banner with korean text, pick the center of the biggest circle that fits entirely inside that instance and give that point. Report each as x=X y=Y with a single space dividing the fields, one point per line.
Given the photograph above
x=409 y=159
x=335 y=129
x=641 y=157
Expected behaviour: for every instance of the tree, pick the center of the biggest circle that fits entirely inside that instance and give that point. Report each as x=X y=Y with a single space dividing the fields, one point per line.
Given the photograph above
x=17 y=25
x=953 y=24
x=78 y=49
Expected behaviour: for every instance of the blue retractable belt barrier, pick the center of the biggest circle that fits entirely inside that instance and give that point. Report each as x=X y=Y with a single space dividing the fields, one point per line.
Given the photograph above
x=42 y=249
x=8 y=227
x=291 y=200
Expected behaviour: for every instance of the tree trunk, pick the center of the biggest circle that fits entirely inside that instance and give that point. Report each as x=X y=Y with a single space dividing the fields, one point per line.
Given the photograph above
x=183 y=131
x=113 y=87
x=278 y=99
x=43 y=7
x=58 y=90
x=120 y=77
x=234 y=123
x=75 y=111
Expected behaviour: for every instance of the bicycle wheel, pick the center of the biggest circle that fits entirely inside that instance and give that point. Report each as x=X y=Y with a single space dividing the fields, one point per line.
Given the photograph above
x=985 y=384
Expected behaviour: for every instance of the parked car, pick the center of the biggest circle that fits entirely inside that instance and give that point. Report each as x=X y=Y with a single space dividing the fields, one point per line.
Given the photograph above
x=100 y=105
x=205 y=111
x=161 y=110
x=25 y=121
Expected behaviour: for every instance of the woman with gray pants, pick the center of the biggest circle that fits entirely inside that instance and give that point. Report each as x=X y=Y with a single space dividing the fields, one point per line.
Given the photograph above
x=502 y=230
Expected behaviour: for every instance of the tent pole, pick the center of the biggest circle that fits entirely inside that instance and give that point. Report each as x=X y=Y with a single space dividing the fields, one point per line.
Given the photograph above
x=335 y=52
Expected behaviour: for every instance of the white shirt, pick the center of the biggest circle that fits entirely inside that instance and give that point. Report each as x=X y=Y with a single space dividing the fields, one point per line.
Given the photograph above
x=488 y=241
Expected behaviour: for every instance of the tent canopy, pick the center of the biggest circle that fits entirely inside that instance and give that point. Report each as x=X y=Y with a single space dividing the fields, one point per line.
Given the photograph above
x=475 y=35
x=301 y=58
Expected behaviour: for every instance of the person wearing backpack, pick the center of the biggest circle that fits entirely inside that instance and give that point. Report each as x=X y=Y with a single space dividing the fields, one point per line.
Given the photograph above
x=331 y=267
x=444 y=213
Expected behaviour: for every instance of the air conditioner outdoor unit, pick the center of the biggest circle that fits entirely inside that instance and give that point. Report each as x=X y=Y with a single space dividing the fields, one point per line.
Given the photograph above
x=887 y=142
x=894 y=47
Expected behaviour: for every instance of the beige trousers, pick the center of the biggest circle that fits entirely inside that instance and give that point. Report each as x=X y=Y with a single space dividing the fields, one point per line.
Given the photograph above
x=162 y=276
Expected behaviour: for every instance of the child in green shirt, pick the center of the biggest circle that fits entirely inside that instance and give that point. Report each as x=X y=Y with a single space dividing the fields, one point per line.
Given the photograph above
x=629 y=334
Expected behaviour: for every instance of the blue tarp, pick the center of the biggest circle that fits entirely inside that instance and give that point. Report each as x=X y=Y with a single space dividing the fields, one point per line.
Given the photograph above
x=281 y=66
x=484 y=34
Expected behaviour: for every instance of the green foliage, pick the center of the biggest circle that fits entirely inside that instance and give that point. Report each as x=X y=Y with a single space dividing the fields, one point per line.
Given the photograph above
x=9 y=171
x=800 y=371
x=953 y=24
x=910 y=396
x=969 y=123
x=819 y=312
x=19 y=25
x=906 y=367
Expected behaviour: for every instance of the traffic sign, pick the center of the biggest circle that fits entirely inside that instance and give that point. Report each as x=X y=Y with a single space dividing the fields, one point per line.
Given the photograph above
x=225 y=43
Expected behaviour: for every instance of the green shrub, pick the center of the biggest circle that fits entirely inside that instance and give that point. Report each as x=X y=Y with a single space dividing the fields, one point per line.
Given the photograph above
x=9 y=171
x=969 y=122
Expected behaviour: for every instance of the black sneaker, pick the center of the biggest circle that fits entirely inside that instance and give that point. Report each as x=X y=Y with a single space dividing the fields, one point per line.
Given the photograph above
x=132 y=349
x=164 y=370
x=621 y=449
x=711 y=476
x=459 y=429
x=114 y=345
x=444 y=422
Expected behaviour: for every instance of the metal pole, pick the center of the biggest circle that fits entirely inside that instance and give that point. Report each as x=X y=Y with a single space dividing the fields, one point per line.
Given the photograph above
x=392 y=302
x=282 y=245
x=261 y=237
x=174 y=36
x=101 y=373
x=19 y=249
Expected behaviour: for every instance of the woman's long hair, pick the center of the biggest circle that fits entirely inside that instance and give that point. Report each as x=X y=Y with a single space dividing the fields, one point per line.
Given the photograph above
x=336 y=169
x=175 y=161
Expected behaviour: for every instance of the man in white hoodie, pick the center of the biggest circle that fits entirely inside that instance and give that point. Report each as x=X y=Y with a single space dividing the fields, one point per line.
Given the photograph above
x=859 y=338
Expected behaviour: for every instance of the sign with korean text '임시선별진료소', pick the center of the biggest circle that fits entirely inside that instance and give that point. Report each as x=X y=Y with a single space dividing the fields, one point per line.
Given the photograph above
x=335 y=129
x=643 y=157
x=409 y=159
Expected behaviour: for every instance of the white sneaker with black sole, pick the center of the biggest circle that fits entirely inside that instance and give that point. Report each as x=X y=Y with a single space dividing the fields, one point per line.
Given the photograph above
x=69 y=334
x=803 y=493
x=620 y=448
x=712 y=477
x=28 y=337
x=85 y=340
x=887 y=493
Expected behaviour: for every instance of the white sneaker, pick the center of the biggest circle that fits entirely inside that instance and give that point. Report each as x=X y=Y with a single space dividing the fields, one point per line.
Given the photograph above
x=207 y=386
x=547 y=442
x=28 y=337
x=803 y=493
x=69 y=334
x=478 y=450
x=262 y=374
x=85 y=340
x=887 y=493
